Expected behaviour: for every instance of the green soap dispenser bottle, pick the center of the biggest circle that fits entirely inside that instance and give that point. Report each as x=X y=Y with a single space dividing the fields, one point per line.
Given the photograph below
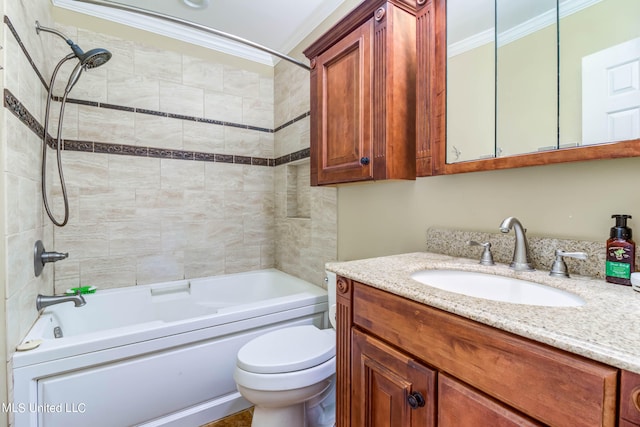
x=621 y=252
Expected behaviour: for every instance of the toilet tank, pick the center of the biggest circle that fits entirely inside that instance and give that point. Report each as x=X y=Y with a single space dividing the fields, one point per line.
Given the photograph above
x=331 y=294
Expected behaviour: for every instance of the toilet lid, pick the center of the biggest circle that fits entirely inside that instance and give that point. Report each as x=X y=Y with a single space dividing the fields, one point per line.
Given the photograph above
x=287 y=350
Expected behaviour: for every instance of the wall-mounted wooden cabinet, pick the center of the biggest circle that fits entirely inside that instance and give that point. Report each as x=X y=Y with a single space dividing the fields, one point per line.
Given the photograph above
x=383 y=105
x=402 y=363
x=363 y=96
x=428 y=87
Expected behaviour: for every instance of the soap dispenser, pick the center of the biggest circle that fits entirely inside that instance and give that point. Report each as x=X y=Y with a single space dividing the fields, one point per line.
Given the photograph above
x=621 y=252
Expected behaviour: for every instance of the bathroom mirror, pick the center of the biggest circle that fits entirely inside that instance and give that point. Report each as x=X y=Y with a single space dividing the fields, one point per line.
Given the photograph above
x=533 y=82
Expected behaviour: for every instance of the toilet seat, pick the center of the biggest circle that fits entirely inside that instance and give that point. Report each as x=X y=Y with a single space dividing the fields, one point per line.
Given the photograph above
x=287 y=350
x=287 y=359
x=285 y=381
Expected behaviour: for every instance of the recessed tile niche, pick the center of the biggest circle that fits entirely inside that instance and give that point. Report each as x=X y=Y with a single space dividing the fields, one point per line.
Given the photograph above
x=298 y=190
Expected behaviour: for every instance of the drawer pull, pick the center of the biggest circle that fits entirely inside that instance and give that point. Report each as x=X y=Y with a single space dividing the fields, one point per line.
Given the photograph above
x=415 y=400
x=364 y=161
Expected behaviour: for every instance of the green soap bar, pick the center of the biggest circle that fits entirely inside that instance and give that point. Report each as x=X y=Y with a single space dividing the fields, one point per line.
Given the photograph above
x=81 y=290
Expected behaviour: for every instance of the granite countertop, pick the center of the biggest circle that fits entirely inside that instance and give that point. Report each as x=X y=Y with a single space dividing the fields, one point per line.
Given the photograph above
x=606 y=328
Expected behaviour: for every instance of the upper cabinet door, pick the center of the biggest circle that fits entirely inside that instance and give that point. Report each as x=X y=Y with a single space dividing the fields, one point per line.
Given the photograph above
x=342 y=151
x=363 y=96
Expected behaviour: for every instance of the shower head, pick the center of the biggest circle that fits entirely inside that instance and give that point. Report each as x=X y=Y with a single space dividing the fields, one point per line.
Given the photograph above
x=87 y=60
x=94 y=58
x=91 y=59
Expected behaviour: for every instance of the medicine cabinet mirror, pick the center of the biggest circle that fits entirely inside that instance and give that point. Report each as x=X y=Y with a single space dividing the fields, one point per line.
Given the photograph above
x=532 y=82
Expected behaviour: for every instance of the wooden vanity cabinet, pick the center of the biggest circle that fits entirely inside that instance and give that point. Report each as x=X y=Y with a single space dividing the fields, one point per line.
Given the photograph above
x=468 y=373
x=629 y=399
x=363 y=96
x=390 y=388
x=460 y=405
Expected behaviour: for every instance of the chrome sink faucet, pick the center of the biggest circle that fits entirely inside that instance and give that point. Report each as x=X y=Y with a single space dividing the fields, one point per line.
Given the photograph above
x=43 y=301
x=521 y=255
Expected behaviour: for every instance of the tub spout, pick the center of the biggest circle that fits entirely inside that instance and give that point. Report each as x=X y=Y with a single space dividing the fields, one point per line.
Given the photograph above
x=43 y=301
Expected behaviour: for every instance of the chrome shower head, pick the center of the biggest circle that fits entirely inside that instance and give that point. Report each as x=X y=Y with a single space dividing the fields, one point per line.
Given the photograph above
x=94 y=58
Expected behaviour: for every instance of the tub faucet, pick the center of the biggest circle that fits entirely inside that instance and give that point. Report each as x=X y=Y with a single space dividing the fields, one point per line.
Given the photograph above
x=521 y=256
x=42 y=257
x=43 y=301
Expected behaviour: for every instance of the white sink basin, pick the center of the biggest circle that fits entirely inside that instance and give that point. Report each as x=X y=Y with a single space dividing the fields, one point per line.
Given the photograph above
x=497 y=288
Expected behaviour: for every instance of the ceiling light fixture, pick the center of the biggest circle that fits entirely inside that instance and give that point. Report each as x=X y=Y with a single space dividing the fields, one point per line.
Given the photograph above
x=196 y=4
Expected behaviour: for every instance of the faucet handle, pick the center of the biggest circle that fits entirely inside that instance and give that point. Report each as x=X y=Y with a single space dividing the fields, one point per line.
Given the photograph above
x=487 y=257
x=559 y=267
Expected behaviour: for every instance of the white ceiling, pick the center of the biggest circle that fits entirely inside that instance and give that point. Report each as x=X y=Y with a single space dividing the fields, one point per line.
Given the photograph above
x=277 y=24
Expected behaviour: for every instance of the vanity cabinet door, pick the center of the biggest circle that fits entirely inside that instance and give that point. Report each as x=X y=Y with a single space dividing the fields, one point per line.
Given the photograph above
x=389 y=388
x=460 y=405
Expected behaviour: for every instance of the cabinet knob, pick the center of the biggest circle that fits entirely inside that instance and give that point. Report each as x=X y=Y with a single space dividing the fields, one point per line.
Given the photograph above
x=364 y=161
x=415 y=400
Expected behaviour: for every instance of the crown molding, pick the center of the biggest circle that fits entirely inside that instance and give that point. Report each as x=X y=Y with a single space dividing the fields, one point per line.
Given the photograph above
x=169 y=29
x=472 y=42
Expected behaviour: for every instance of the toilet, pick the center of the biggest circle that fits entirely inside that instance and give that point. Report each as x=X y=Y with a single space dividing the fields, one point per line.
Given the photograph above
x=289 y=374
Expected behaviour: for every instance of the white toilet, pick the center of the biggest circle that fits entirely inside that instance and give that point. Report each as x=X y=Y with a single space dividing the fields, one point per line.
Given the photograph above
x=289 y=374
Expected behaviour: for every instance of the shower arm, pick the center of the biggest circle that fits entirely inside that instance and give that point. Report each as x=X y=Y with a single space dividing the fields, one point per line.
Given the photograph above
x=53 y=31
x=74 y=47
x=198 y=27
x=70 y=42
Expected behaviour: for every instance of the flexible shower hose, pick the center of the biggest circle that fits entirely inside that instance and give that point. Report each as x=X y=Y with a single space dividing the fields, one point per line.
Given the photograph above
x=45 y=137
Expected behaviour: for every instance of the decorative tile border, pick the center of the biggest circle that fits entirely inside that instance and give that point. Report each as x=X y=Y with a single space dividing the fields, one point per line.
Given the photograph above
x=292 y=121
x=24 y=50
x=179 y=116
x=18 y=109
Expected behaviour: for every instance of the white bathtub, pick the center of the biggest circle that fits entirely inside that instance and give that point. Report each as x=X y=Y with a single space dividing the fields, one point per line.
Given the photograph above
x=154 y=355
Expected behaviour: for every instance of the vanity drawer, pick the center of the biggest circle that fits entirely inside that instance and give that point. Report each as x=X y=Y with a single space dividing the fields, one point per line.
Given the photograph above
x=547 y=384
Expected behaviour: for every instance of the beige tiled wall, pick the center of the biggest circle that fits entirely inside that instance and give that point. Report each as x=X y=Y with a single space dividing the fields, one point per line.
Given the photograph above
x=208 y=218
x=22 y=207
x=137 y=220
x=307 y=240
x=151 y=220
